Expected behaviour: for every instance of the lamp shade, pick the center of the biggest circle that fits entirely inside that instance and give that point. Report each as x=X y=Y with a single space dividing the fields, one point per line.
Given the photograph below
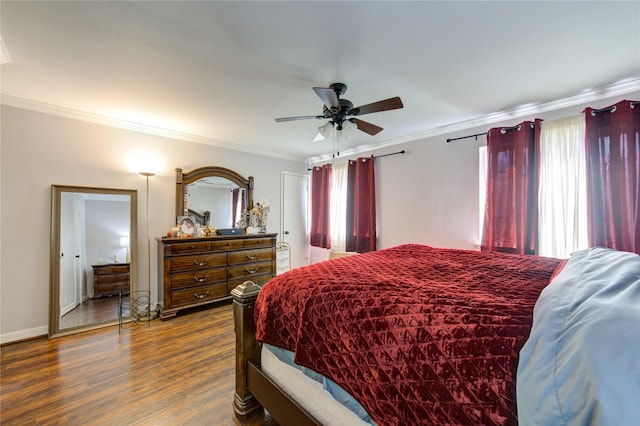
x=348 y=128
x=124 y=241
x=325 y=129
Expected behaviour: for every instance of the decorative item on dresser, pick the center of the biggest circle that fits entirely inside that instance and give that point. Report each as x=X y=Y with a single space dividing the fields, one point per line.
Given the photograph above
x=110 y=279
x=199 y=271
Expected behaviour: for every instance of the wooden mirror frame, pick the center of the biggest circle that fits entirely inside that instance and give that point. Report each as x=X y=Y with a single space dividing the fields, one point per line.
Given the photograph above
x=183 y=179
x=55 y=251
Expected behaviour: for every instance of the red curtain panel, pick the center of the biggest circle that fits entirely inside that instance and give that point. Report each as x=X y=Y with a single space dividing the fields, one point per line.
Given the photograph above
x=361 y=206
x=612 y=138
x=320 y=206
x=511 y=212
x=235 y=194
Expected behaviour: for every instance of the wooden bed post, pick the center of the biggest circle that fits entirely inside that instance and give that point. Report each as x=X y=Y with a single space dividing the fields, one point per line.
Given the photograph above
x=245 y=405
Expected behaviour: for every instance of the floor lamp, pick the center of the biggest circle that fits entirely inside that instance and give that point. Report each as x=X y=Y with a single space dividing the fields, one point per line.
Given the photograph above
x=147 y=175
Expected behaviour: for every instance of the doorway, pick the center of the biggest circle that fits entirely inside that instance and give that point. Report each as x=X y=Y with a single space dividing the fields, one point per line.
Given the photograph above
x=294 y=217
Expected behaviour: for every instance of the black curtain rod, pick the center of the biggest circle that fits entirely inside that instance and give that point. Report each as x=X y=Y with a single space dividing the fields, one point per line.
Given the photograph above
x=595 y=111
x=391 y=153
x=611 y=108
x=503 y=130
x=465 y=137
x=381 y=155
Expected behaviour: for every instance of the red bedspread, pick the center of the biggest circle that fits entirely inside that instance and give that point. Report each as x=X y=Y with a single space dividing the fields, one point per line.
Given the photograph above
x=417 y=335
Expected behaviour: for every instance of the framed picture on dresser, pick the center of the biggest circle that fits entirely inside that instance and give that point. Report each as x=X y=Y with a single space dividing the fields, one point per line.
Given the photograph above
x=187 y=225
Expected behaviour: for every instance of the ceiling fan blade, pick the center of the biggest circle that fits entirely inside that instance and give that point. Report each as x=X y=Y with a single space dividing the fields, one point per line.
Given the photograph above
x=385 y=105
x=328 y=97
x=366 y=127
x=302 y=117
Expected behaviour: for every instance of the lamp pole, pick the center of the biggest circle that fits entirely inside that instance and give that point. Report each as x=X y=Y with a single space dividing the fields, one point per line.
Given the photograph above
x=147 y=175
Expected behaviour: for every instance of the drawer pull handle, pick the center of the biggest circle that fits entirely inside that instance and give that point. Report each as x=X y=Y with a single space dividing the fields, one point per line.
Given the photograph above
x=252 y=256
x=201 y=296
x=206 y=261
x=201 y=280
x=192 y=247
x=251 y=271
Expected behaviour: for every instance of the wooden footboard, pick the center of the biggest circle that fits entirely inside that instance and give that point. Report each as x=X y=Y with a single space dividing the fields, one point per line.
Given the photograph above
x=254 y=390
x=247 y=348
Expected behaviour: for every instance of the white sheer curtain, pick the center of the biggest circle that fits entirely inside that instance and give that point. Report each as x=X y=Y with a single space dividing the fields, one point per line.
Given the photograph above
x=338 y=212
x=562 y=206
x=482 y=190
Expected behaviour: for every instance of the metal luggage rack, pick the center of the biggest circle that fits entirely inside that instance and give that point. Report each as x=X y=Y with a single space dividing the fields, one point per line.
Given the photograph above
x=134 y=309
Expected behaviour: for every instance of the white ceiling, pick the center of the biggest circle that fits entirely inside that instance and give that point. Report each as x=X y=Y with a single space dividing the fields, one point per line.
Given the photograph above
x=220 y=72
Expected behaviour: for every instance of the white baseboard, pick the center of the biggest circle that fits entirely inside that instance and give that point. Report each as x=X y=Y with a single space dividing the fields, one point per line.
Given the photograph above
x=24 y=334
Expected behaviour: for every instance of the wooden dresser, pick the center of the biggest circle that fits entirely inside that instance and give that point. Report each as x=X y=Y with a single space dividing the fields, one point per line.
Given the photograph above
x=110 y=279
x=198 y=271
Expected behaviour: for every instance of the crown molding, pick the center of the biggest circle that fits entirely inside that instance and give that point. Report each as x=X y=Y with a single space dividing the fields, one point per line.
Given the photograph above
x=75 y=114
x=620 y=88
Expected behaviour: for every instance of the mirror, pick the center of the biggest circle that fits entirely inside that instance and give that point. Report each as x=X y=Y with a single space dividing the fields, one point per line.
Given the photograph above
x=94 y=249
x=213 y=196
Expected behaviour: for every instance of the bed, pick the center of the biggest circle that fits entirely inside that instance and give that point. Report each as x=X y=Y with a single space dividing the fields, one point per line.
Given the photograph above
x=410 y=335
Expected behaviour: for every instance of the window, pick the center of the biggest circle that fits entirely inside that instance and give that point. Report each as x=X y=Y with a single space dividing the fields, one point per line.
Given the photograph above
x=562 y=221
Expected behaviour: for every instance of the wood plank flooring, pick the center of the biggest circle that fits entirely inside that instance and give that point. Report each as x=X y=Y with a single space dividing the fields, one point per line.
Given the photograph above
x=92 y=311
x=176 y=372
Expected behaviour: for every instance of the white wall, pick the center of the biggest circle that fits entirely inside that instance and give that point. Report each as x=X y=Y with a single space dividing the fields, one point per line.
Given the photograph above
x=38 y=150
x=106 y=222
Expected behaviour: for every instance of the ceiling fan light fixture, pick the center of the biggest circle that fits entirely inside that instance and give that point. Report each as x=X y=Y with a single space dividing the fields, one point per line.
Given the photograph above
x=326 y=129
x=348 y=128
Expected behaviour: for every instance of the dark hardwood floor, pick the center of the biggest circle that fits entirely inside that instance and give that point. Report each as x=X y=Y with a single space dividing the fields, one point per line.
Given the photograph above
x=92 y=311
x=177 y=372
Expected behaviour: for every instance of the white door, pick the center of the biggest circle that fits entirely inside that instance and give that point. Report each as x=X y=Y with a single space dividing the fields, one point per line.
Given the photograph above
x=78 y=258
x=294 y=191
x=68 y=295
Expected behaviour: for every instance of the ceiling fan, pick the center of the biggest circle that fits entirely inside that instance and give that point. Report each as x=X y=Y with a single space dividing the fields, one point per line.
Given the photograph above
x=342 y=114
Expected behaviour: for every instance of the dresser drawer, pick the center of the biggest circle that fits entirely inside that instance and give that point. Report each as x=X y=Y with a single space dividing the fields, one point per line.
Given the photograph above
x=111 y=288
x=249 y=269
x=201 y=261
x=245 y=256
x=110 y=269
x=227 y=244
x=259 y=242
x=199 y=277
x=258 y=279
x=189 y=247
x=197 y=295
x=113 y=278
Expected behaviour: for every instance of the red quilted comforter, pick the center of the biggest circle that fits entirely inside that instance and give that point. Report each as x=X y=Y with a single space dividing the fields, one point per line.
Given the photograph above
x=417 y=335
